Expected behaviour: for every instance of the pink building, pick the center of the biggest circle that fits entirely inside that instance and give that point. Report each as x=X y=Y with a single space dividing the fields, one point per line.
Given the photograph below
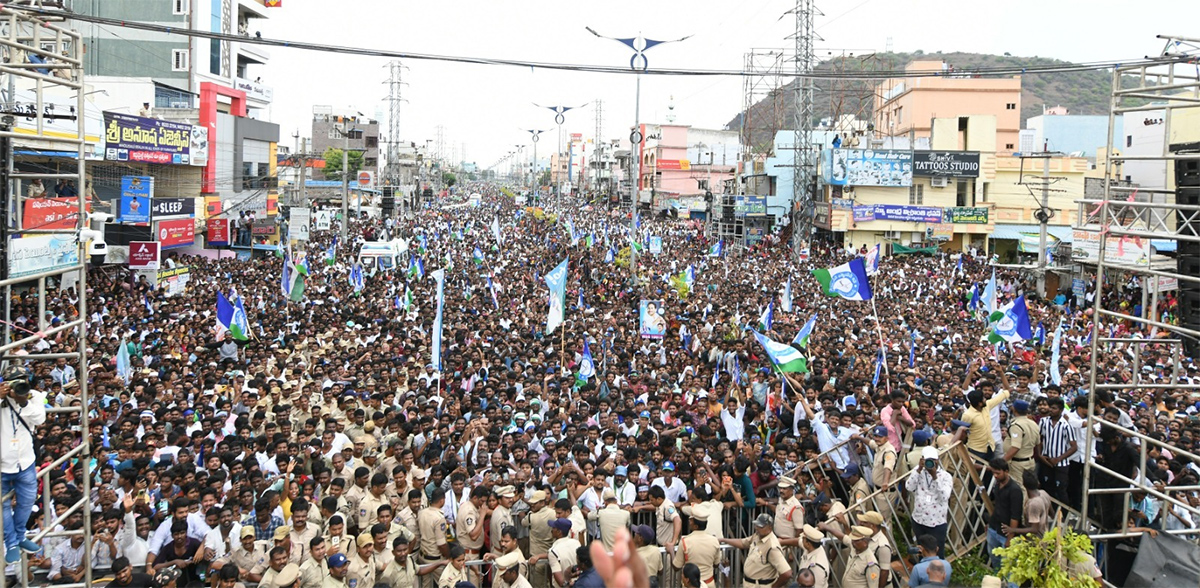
x=668 y=166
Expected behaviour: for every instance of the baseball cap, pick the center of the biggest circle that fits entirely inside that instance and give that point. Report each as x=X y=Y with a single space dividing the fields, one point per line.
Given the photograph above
x=645 y=532
x=281 y=532
x=622 y=471
x=337 y=560
x=563 y=525
x=851 y=470
x=929 y=453
x=668 y=466
x=247 y=531
x=365 y=539
x=880 y=431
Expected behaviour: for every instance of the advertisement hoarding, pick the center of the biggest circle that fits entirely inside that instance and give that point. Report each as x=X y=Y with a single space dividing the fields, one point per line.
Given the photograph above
x=754 y=205
x=176 y=233
x=144 y=255
x=173 y=281
x=50 y=214
x=946 y=164
x=868 y=167
x=898 y=212
x=965 y=215
x=32 y=254
x=1085 y=248
x=136 y=192
x=822 y=217
x=168 y=208
x=218 y=231
x=150 y=140
x=674 y=164
x=299 y=223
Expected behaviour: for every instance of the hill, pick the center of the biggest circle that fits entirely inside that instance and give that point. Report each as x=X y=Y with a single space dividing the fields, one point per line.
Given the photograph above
x=1085 y=92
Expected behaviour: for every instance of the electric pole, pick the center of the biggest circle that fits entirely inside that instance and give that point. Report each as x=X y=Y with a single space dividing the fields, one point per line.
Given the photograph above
x=395 y=97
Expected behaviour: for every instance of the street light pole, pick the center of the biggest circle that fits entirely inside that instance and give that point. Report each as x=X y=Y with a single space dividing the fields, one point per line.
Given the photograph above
x=537 y=178
x=638 y=63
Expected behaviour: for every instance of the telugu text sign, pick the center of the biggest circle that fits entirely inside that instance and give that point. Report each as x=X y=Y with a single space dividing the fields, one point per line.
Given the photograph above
x=32 y=254
x=176 y=233
x=50 y=214
x=868 y=167
x=144 y=255
x=150 y=140
x=946 y=164
x=965 y=215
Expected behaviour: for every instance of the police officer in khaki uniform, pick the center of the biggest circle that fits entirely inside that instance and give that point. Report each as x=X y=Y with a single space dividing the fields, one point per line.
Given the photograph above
x=862 y=570
x=470 y=528
x=814 y=559
x=502 y=516
x=883 y=470
x=610 y=518
x=765 y=564
x=540 y=538
x=859 y=490
x=880 y=547
x=789 y=513
x=699 y=547
x=433 y=529
x=1023 y=437
x=376 y=496
x=509 y=568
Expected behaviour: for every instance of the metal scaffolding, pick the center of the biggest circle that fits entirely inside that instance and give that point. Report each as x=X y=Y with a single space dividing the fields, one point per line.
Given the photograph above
x=763 y=100
x=42 y=67
x=804 y=162
x=1169 y=86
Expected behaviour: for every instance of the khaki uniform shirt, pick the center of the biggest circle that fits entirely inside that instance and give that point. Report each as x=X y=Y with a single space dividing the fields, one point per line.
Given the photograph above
x=700 y=548
x=452 y=576
x=313 y=572
x=666 y=515
x=520 y=582
x=862 y=571
x=408 y=518
x=1023 y=434
x=764 y=559
x=540 y=538
x=254 y=562
x=789 y=518
x=432 y=524
x=343 y=544
x=859 y=492
x=562 y=558
x=354 y=495
x=611 y=518
x=817 y=562
x=880 y=547
x=501 y=517
x=361 y=573
x=268 y=578
x=331 y=582
x=300 y=541
x=652 y=557
x=885 y=460
x=368 y=510
x=468 y=517
x=398 y=575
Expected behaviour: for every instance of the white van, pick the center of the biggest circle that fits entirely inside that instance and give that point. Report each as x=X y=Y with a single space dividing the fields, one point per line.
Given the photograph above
x=381 y=255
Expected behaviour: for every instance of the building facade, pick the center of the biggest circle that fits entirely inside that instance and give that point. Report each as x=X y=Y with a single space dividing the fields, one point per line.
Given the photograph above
x=361 y=134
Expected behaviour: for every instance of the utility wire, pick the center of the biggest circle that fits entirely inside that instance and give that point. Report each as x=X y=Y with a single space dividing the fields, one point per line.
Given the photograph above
x=978 y=71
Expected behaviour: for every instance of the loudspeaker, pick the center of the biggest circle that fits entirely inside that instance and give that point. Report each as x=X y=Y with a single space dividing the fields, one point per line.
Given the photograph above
x=727 y=214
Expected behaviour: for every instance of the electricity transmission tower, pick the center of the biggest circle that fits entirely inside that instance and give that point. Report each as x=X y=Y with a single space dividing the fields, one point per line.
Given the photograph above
x=395 y=97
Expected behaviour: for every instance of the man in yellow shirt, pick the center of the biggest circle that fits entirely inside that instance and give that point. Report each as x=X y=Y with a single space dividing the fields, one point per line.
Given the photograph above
x=979 y=421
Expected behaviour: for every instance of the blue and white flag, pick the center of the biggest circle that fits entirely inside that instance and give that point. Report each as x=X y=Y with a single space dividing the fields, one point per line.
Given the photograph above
x=973 y=304
x=356 y=278
x=768 y=317
x=737 y=371
x=912 y=350
x=716 y=250
x=848 y=280
x=805 y=332
x=146 y=301
x=123 y=365
x=587 y=367
x=581 y=305
x=878 y=368
x=989 y=295
x=440 y=277
x=872 y=262
x=959 y=269
x=786 y=302
x=556 y=280
x=1040 y=334
x=608 y=257
x=689 y=276
x=1011 y=323
x=492 y=288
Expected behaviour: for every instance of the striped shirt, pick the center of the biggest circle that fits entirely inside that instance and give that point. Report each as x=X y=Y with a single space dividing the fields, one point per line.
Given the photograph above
x=1056 y=437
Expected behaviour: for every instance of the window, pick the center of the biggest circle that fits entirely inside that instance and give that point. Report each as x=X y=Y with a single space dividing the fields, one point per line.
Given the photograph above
x=370 y=162
x=985 y=191
x=333 y=133
x=1010 y=106
x=214 y=48
x=899 y=115
x=355 y=134
x=372 y=142
x=165 y=97
x=916 y=194
x=1129 y=140
x=962 y=192
x=1008 y=146
x=180 y=60
x=179 y=7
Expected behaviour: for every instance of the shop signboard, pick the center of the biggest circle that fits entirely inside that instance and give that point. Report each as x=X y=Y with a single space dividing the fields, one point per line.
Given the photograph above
x=136 y=192
x=843 y=203
x=176 y=233
x=299 y=222
x=144 y=255
x=750 y=205
x=822 y=214
x=868 y=167
x=897 y=212
x=673 y=164
x=168 y=208
x=965 y=215
x=32 y=254
x=151 y=140
x=946 y=164
x=50 y=214
x=1085 y=248
x=218 y=231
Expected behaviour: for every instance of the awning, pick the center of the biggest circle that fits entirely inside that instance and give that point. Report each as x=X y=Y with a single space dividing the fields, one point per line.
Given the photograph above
x=1165 y=245
x=1014 y=232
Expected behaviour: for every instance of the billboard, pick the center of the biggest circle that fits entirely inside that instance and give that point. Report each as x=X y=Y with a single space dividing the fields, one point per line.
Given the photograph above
x=745 y=205
x=897 y=212
x=150 y=140
x=674 y=164
x=868 y=167
x=218 y=231
x=1085 y=248
x=136 y=192
x=299 y=223
x=144 y=255
x=32 y=254
x=651 y=322
x=176 y=233
x=166 y=208
x=822 y=213
x=946 y=164
x=965 y=215
x=50 y=214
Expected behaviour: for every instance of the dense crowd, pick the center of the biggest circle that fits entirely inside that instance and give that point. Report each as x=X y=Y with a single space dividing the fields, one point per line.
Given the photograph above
x=326 y=449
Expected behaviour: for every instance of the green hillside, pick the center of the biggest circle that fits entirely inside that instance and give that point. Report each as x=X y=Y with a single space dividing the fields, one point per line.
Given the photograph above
x=1085 y=92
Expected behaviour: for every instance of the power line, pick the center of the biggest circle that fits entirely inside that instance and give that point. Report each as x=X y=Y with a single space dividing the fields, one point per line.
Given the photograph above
x=980 y=71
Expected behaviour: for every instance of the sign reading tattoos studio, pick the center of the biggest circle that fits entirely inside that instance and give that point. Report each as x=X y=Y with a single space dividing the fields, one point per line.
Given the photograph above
x=946 y=164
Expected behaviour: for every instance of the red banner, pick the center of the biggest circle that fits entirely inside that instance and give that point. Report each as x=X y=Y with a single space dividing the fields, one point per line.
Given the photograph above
x=218 y=231
x=674 y=164
x=176 y=233
x=50 y=214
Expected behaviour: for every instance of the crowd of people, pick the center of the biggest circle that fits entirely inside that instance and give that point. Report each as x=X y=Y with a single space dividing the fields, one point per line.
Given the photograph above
x=340 y=440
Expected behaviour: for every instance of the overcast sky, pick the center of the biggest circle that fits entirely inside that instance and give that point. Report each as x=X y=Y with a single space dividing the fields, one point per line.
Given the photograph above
x=483 y=109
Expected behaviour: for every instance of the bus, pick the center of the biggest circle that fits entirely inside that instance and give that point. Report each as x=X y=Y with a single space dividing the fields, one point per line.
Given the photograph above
x=381 y=255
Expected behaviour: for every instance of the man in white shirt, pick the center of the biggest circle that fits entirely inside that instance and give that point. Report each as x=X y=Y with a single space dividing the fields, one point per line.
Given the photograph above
x=624 y=490
x=731 y=418
x=674 y=488
x=222 y=538
x=21 y=411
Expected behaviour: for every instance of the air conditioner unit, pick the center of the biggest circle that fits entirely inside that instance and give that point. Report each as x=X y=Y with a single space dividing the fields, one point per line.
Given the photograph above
x=891 y=235
x=939 y=182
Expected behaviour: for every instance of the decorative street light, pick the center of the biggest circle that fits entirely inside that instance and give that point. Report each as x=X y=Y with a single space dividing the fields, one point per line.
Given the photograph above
x=559 y=119
x=537 y=178
x=639 y=64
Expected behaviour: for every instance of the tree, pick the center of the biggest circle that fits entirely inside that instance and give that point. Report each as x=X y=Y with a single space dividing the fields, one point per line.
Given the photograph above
x=333 y=163
x=1060 y=558
x=545 y=177
x=449 y=179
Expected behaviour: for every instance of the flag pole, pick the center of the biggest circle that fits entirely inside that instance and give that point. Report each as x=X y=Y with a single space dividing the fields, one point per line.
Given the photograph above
x=879 y=330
